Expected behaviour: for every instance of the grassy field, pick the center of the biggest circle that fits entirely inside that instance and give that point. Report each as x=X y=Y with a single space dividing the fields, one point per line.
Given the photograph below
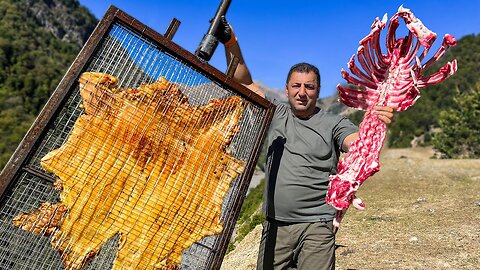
x=421 y=213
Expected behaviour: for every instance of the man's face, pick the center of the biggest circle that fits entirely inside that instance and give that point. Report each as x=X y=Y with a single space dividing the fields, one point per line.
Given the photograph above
x=302 y=92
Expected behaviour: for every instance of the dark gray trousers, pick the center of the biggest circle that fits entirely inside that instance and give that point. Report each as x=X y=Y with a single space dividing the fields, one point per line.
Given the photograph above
x=302 y=246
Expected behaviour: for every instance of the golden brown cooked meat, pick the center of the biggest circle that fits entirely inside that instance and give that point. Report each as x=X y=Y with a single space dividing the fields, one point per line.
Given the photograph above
x=143 y=163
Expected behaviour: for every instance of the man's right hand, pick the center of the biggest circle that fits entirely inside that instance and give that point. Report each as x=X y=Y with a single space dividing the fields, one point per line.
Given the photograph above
x=224 y=32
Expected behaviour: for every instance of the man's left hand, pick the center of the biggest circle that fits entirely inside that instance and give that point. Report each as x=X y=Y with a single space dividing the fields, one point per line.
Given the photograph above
x=385 y=113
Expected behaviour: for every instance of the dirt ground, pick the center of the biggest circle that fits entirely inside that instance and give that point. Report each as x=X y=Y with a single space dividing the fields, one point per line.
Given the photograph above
x=421 y=213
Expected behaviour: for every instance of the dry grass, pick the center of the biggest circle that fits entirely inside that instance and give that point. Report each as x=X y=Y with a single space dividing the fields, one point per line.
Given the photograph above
x=421 y=213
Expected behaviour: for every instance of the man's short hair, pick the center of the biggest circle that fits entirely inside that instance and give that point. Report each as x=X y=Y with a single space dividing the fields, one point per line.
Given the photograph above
x=304 y=68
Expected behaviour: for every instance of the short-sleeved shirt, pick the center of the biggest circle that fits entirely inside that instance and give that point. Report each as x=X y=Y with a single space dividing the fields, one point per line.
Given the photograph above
x=302 y=154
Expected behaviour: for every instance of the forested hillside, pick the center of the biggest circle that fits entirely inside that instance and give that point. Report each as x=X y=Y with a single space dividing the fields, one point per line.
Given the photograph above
x=38 y=42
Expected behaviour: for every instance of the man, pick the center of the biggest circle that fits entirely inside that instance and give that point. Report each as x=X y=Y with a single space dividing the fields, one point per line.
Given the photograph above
x=304 y=144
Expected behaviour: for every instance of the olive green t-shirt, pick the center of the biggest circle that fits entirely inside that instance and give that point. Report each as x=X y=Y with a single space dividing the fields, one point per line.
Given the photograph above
x=301 y=156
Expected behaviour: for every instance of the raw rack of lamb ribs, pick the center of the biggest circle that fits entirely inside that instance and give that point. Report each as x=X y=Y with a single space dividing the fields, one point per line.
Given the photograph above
x=393 y=79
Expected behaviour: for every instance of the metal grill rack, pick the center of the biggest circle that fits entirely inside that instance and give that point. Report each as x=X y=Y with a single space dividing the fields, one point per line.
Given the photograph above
x=129 y=50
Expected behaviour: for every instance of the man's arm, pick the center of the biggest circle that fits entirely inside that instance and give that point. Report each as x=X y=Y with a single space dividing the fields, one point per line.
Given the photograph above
x=242 y=75
x=385 y=114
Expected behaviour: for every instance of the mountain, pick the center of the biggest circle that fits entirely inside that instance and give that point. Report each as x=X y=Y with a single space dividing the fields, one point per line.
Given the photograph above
x=65 y=20
x=272 y=93
x=39 y=39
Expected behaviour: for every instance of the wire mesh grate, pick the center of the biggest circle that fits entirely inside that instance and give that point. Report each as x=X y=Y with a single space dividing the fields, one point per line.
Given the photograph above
x=169 y=164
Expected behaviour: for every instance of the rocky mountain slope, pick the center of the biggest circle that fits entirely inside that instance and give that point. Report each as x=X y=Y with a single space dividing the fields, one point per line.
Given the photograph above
x=65 y=20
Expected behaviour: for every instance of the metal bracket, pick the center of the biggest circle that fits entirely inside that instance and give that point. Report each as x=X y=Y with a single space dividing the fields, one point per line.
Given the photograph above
x=232 y=66
x=172 y=28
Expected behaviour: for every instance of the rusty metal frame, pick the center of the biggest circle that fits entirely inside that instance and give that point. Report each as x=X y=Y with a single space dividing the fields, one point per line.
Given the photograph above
x=16 y=165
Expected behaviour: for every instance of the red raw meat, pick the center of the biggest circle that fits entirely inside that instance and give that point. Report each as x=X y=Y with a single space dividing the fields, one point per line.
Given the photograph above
x=391 y=79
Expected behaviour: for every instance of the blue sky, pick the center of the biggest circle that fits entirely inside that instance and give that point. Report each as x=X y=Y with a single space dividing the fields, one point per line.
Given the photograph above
x=274 y=35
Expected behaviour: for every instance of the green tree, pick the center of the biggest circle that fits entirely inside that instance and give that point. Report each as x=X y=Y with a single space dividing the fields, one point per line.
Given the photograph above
x=460 y=127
